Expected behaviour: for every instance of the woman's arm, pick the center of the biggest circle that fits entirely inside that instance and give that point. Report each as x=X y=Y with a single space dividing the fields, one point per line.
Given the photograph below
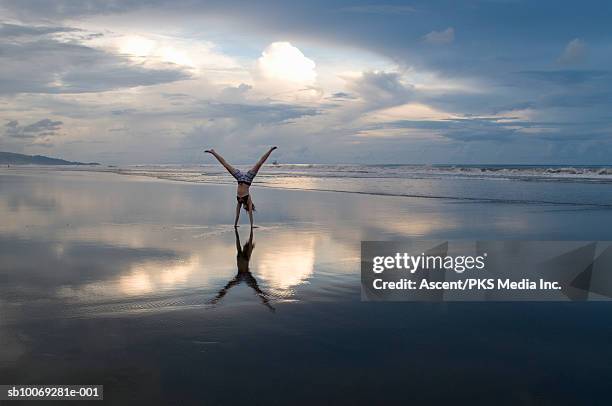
x=261 y=161
x=223 y=162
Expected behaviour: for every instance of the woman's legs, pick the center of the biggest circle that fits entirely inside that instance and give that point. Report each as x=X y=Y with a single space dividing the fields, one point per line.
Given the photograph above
x=238 y=207
x=223 y=162
x=261 y=161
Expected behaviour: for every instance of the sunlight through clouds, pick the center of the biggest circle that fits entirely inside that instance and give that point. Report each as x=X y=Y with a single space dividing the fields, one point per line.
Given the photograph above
x=156 y=49
x=137 y=46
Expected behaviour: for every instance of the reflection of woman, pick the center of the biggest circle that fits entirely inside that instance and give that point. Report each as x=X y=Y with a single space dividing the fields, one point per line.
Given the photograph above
x=243 y=256
x=244 y=182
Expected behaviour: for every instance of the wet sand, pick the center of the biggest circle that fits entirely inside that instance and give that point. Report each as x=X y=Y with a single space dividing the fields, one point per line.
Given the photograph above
x=134 y=283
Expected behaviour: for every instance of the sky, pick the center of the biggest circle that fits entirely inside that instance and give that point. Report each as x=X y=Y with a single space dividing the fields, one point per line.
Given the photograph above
x=416 y=82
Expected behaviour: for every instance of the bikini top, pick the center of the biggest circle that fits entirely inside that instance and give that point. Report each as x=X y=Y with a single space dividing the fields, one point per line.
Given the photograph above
x=246 y=178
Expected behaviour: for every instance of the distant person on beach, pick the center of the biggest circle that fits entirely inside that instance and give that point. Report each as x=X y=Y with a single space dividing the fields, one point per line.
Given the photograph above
x=244 y=182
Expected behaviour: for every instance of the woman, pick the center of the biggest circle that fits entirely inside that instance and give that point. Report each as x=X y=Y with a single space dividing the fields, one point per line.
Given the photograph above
x=244 y=182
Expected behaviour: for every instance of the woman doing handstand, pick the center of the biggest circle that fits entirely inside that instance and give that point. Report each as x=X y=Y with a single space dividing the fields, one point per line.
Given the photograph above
x=244 y=182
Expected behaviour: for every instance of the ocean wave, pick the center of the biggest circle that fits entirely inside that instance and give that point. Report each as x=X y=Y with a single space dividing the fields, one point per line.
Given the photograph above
x=519 y=173
x=415 y=182
x=545 y=184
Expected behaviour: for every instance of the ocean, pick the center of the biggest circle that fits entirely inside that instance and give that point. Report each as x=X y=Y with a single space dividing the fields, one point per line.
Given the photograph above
x=567 y=185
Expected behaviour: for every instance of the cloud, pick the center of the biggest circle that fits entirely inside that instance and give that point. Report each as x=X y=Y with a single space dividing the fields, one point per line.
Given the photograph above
x=464 y=129
x=568 y=77
x=115 y=75
x=575 y=51
x=281 y=61
x=41 y=63
x=341 y=96
x=155 y=50
x=235 y=93
x=503 y=129
x=68 y=8
x=440 y=37
x=14 y=30
x=41 y=128
x=240 y=130
x=370 y=59
x=381 y=89
x=39 y=133
x=571 y=89
x=255 y=114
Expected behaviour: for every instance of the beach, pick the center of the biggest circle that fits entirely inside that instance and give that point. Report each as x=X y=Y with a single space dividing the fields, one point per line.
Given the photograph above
x=125 y=279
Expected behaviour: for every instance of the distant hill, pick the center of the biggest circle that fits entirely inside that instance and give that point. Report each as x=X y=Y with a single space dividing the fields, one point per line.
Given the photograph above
x=11 y=158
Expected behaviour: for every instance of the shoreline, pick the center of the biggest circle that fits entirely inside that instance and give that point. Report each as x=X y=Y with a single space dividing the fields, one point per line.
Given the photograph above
x=120 y=171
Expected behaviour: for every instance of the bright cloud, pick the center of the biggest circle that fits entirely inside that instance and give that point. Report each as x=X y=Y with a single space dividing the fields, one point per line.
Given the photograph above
x=283 y=62
x=157 y=50
x=134 y=45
